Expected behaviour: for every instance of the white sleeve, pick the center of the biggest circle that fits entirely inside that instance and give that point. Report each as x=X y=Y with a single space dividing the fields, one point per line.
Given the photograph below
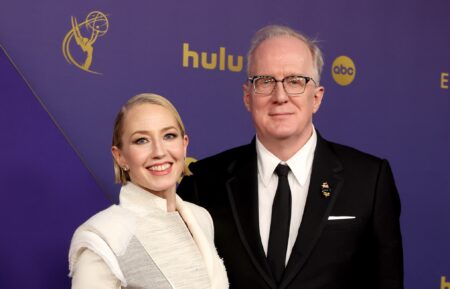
x=91 y=272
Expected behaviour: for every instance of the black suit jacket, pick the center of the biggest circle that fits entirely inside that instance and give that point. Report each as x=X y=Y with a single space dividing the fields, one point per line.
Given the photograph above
x=364 y=252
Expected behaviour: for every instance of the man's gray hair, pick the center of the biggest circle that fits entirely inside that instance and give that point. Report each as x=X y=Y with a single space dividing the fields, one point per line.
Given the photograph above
x=271 y=31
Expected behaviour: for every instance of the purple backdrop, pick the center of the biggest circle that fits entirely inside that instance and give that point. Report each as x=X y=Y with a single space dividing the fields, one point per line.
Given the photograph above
x=57 y=118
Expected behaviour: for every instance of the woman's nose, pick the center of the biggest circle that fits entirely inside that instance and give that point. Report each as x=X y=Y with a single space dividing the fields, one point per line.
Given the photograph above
x=158 y=149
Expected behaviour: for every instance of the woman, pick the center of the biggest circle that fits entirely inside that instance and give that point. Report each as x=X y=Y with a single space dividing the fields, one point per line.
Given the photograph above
x=152 y=239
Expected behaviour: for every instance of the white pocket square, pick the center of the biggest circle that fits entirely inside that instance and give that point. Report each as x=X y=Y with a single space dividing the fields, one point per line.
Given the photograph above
x=341 y=217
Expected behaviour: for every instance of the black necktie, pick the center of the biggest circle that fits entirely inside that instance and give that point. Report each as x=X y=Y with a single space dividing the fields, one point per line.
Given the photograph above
x=279 y=227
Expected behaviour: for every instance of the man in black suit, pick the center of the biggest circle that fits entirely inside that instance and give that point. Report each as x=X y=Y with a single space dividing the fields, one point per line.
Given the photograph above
x=290 y=209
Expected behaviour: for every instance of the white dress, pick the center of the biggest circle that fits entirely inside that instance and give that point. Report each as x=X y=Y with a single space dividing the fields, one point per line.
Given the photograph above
x=138 y=244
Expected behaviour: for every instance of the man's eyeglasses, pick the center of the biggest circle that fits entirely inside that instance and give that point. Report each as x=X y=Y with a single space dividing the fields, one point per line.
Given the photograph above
x=293 y=84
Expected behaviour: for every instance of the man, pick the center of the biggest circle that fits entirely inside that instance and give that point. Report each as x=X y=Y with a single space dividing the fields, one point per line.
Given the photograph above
x=333 y=221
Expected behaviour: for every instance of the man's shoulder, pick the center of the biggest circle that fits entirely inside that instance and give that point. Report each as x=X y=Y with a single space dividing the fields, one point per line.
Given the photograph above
x=346 y=154
x=209 y=173
x=223 y=160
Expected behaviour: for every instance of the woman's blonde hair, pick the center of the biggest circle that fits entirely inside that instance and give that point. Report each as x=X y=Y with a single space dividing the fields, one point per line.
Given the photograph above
x=120 y=175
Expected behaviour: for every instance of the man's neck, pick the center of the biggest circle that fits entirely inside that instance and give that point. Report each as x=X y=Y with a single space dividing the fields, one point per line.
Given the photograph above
x=285 y=148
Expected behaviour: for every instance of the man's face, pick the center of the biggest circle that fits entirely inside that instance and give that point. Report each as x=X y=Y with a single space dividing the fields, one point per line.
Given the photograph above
x=279 y=116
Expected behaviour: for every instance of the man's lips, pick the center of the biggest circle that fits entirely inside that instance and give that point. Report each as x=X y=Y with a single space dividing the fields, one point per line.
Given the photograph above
x=280 y=114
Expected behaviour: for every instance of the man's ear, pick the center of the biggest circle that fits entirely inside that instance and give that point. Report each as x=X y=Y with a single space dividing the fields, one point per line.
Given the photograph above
x=246 y=89
x=318 y=96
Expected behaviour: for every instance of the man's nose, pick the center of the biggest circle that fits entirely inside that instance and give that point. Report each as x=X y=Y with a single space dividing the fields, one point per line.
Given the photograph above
x=279 y=93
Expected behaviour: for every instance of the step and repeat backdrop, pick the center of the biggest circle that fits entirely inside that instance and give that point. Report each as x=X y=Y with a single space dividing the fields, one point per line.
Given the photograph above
x=67 y=67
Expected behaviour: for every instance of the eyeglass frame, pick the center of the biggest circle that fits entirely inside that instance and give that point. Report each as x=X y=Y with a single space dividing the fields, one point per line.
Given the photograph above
x=254 y=78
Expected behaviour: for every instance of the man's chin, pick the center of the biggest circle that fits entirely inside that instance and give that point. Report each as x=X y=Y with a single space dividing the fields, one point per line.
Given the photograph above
x=282 y=136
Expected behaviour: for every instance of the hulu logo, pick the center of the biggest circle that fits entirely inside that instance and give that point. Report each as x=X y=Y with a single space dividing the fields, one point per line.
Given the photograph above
x=220 y=60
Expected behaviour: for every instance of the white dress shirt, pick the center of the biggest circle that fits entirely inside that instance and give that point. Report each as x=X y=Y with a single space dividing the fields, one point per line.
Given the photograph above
x=299 y=177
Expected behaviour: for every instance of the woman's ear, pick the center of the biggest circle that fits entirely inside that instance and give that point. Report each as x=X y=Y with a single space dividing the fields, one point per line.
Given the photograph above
x=185 y=144
x=118 y=157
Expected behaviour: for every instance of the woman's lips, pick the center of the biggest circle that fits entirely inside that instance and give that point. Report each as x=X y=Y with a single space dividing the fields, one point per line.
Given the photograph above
x=160 y=169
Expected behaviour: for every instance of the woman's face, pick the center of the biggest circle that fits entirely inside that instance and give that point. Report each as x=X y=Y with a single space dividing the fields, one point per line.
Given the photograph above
x=152 y=148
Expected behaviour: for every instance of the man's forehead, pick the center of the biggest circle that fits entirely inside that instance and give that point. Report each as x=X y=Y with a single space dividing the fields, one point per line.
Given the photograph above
x=289 y=55
x=281 y=43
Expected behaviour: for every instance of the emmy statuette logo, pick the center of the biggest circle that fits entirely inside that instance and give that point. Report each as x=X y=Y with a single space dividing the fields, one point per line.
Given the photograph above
x=78 y=44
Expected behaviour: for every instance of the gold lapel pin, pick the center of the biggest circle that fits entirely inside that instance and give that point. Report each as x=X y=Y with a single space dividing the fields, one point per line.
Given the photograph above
x=326 y=192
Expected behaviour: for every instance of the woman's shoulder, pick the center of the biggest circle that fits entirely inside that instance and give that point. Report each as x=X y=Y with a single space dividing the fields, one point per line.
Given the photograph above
x=111 y=219
x=107 y=234
x=113 y=227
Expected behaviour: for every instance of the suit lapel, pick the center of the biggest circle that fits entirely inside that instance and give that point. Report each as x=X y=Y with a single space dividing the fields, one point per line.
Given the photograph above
x=326 y=168
x=242 y=187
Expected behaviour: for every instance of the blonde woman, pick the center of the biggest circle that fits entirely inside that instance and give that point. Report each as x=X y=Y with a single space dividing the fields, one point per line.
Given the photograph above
x=152 y=238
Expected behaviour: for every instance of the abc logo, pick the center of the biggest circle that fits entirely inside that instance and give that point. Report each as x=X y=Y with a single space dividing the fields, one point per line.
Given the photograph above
x=343 y=70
